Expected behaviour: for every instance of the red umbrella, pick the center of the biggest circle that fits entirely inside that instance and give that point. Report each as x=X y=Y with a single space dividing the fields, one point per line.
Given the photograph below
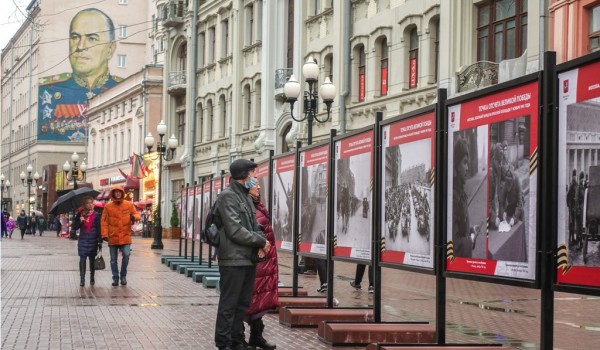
x=99 y=204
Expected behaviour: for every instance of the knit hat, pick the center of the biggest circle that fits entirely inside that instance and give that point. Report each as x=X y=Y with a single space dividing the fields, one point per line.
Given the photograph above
x=240 y=167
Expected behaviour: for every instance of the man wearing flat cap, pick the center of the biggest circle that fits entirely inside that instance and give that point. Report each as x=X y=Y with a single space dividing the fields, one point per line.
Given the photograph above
x=239 y=246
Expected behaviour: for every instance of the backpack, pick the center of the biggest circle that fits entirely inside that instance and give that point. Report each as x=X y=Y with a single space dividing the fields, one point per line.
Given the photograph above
x=212 y=227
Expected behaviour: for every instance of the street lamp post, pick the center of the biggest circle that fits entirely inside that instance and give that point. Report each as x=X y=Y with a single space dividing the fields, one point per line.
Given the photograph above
x=167 y=155
x=310 y=71
x=5 y=187
x=74 y=169
x=27 y=181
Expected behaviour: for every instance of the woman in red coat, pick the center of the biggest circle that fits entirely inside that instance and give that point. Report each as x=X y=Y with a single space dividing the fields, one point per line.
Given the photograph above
x=265 y=296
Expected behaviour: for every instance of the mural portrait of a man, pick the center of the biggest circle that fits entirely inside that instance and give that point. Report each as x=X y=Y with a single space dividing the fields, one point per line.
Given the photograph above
x=64 y=97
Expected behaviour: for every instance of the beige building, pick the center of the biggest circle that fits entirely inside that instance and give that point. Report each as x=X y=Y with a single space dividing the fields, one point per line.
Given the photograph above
x=118 y=122
x=38 y=56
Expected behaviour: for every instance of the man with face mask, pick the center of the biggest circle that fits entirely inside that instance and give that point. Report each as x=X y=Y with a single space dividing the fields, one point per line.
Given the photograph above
x=240 y=241
x=116 y=221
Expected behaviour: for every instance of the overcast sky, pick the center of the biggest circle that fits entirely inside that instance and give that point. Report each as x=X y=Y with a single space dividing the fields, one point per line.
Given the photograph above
x=10 y=19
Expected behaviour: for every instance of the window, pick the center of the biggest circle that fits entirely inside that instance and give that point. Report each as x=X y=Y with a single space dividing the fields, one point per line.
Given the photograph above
x=317 y=5
x=249 y=25
x=362 y=61
x=122 y=148
x=248 y=108
x=436 y=50
x=224 y=38
x=211 y=44
x=201 y=45
x=154 y=23
x=501 y=30
x=183 y=57
x=123 y=31
x=181 y=127
x=594 y=41
x=223 y=104
x=413 y=57
x=122 y=61
x=384 y=67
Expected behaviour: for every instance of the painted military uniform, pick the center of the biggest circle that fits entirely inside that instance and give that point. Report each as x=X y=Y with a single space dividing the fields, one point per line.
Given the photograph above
x=63 y=102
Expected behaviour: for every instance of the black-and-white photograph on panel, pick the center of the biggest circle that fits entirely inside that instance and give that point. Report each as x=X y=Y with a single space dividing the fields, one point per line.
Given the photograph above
x=189 y=218
x=469 y=192
x=262 y=175
x=313 y=200
x=283 y=201
x=206 y=204
x=408 y=158
x=353 y=196
x=197 y=211
x=508 y=192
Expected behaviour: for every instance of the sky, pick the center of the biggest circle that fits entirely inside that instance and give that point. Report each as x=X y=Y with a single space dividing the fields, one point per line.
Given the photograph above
x=10 y=19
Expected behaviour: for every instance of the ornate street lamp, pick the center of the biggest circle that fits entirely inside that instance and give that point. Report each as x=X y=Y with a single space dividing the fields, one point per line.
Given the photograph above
x=167 y=155
x=27 y=181
x=74 y=169
x=310 y=71
x=5 y=187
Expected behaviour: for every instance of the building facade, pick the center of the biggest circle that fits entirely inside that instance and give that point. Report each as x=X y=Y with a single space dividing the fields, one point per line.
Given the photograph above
x=574 y=28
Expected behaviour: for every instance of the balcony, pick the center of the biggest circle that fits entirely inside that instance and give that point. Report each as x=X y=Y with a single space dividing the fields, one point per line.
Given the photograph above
x=177 y=83
x=173 y=13
x=476 y=76
x=281 y=77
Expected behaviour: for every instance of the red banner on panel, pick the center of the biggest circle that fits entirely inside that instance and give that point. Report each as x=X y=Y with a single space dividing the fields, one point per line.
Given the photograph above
x=357 y=144
x=316 y=156
x=384 y=81
x=361 y=87
x=285 y=164
x=588 y=82
x=262 y=170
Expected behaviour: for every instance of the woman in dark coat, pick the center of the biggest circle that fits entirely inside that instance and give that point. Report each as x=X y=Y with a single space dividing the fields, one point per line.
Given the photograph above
x=265 y=296
x=88 y=223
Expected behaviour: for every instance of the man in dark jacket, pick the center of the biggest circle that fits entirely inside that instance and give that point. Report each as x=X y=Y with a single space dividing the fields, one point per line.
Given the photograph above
x=22 y=222
x=240 y=241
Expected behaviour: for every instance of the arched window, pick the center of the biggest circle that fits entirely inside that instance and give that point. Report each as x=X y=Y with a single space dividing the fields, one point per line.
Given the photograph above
x=248 y=108
x=362 y=62
x=413 y=59
x=209 y=120
x=384 y=67
x=183 y=57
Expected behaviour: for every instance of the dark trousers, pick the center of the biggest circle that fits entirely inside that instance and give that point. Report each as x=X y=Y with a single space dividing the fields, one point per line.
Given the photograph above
x=322 y=270
x=237 y=284
x=360 y=272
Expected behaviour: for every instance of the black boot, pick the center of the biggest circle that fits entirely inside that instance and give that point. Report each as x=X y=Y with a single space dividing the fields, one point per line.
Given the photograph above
x=82 y=273
x=92 y=272
x=256 y=339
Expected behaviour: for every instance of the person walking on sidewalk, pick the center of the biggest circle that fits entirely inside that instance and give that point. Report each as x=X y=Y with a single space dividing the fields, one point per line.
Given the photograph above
x=10 y=226
x=240 y=241
x=117 y=217
x=87 y=222
x=22 y=223
x=4 y=220
x=360 y=272
x=265 y=296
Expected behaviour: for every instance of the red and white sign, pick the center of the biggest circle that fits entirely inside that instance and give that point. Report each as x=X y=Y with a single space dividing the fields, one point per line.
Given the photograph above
x=262 y=170
x=413 y=73
x=282 y=215
x=361 y=87
x=384 y=81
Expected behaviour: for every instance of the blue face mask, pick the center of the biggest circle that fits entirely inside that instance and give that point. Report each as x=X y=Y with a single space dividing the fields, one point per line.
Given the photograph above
x=251 y=183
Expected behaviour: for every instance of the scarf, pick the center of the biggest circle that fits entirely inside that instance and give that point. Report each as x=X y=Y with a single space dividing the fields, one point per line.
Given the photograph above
x=89 y=220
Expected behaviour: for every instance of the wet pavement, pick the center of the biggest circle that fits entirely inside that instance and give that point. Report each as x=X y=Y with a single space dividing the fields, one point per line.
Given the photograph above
x=43 y=306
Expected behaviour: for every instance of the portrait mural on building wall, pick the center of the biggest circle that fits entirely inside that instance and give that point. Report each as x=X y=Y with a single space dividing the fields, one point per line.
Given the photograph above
x=408 y=190
x=63 y=97
x=492 y=183
x=579 y=176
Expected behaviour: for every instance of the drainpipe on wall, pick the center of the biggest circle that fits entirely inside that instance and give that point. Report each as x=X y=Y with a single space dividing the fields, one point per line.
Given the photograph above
x=346 y=72
x=12 y=114
x=193 y=83
x=29 y=141
x=544 y=19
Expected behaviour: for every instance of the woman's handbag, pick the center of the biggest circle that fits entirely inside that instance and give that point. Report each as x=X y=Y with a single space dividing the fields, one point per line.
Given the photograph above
x=99 y=261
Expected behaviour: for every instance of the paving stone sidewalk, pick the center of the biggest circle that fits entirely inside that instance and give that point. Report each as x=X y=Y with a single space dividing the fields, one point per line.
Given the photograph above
x=43 y=306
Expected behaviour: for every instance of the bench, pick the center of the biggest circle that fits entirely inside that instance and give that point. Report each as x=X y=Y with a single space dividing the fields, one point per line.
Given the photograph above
x=182 y=268
x=189 y=270
x=163 y=258
x=358 y=333
x=303 y=301
x=210 y=281
x=287 y=291
x=311 y=317
x=197 y=276
x=393 y=346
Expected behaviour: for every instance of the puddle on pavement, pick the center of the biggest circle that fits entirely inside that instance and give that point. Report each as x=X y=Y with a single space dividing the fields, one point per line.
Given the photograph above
x=495 y=308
